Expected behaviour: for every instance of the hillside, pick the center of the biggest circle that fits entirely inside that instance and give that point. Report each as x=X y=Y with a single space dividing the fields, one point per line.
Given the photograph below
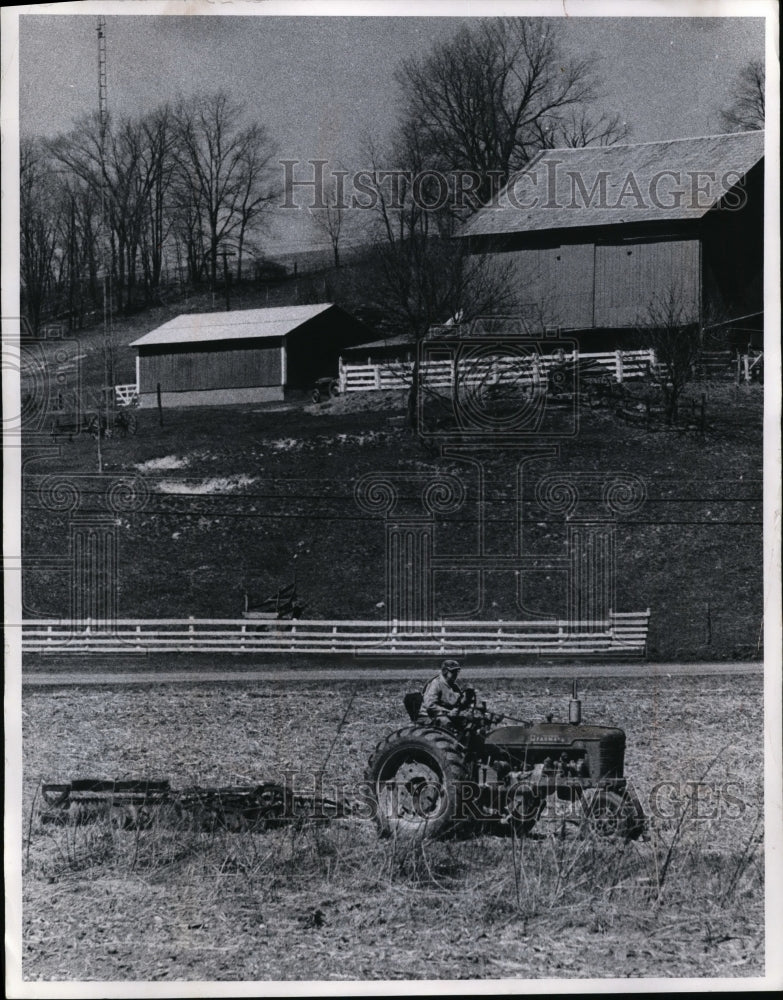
x=236 y=497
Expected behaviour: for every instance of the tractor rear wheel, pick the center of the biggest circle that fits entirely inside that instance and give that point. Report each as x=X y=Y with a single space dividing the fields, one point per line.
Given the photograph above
x=416 y=779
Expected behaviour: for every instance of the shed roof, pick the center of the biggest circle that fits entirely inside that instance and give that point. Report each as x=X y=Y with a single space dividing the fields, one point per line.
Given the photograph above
x=647 y=181
x=245 y=324
x=398 y=340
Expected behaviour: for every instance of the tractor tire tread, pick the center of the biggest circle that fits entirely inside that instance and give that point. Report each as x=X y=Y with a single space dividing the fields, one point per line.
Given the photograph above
x=446 y=746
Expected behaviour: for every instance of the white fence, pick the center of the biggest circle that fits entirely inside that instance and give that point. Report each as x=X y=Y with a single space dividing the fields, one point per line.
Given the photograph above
x=622 y=365
x=126 y=395
x=623 y=634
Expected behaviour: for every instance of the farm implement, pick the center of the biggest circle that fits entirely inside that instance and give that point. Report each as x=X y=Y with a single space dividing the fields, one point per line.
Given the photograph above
x=138 y=804
x=282 y=606
x=108 y=413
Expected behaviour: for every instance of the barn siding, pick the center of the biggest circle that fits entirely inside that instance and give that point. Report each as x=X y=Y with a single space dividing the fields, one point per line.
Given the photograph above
x=629 y=277
x=554 y=284
x=575 y=280
x=211 y=368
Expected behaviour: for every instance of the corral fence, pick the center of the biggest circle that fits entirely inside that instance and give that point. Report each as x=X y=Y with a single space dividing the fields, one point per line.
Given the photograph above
x=126 y=395
x=623 y=634
x=715 y=365
x=621 y=365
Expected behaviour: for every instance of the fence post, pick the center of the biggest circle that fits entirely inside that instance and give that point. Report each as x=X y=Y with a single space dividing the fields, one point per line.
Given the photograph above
x=618 y=365
x=48 y=635
x=191 y=631
x=377 y=373
x=138 y=638
x=341 y=378
x=745 y=359
x=242 y=636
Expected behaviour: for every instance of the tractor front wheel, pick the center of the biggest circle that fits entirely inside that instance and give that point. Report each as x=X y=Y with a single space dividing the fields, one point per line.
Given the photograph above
x=524 y=808
x=611 y=815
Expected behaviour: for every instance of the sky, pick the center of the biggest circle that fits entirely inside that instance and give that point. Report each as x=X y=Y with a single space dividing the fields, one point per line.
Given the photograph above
x=321 y=85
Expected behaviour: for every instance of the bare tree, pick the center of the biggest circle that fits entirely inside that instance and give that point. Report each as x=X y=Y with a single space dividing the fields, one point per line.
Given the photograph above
x=331 y=221
x=77 y=216
x=158 y=168
x=483 y=100
x=746 y=112
x=579 y=129
x=257 y=189
x=425 y=277
x=39 y=222
x=668 y=327
x=223 y=181
x=130 y=171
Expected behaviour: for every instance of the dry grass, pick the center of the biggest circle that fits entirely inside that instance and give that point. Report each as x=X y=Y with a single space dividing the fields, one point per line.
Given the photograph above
x=334 y=901
x=694 y=908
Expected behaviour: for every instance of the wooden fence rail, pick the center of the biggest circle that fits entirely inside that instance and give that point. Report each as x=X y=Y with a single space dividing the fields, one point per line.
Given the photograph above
x=127 y=394
x=622 y=365
x=623 y=634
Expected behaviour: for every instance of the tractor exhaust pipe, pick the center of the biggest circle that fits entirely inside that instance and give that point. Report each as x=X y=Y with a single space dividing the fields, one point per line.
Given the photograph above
x=574 y=707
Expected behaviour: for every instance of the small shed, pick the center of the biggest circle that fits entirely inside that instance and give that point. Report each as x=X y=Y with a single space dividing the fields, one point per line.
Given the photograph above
x=401 y=347
x=248 y=356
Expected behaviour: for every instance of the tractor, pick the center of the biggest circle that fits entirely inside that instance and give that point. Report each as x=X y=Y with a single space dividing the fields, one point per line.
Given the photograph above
x=432 y=779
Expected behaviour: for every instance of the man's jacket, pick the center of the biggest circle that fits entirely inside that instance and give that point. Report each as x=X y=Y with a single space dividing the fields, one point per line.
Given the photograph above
x=439 y=696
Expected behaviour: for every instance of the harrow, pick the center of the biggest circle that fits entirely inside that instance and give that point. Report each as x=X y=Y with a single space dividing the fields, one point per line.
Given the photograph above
x=137 y=804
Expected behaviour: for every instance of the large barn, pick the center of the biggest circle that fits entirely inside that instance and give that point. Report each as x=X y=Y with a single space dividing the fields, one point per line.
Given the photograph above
x=590 y=237
x=248 y=356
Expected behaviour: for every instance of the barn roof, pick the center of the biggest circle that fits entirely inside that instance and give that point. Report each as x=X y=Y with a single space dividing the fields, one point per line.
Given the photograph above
x=647 y=181
x=245 y=324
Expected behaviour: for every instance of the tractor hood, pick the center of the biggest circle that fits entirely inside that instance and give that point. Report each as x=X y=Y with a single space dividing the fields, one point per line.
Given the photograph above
x=556 y=734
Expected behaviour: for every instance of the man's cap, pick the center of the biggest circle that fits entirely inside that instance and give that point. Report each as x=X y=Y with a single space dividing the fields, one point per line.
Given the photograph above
x=450 y=665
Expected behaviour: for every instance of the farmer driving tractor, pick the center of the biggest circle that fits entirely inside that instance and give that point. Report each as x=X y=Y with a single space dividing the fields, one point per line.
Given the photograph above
x=443 y=697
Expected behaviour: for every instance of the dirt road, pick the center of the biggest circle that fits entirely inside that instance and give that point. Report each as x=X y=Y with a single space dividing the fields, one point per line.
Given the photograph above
x=101 y=675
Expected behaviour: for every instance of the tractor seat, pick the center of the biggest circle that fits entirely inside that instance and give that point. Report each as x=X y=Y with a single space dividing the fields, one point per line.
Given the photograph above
x=412 y=702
